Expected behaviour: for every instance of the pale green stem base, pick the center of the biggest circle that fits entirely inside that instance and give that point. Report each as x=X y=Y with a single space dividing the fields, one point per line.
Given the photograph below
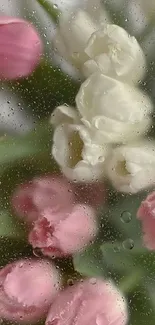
x=50 y=9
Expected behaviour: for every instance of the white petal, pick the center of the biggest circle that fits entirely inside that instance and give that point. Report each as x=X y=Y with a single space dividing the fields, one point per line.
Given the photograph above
x=81 y=165
x=101 y=95
x=64 y=114
x=124 y=57
x=75 y=40
x=95 y=154
x=111 y=131
x=60 y=145
x=132 y=168
x=84 y=172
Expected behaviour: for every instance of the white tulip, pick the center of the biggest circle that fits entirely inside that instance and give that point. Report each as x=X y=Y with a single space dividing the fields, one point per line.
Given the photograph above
x=64 y=115
x=131 y=168
x=113 y=52
x=115 y=112
x=73 y=149
x=74 y=32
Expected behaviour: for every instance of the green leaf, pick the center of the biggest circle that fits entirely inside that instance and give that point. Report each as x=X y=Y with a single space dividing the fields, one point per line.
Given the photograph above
x=89 y=262
x=10 y=227
x=37 y=142
x=122 y=215
x=121 y=258
x=141 y=309
x=117 y=258
x=12 y=249
x=45 y=89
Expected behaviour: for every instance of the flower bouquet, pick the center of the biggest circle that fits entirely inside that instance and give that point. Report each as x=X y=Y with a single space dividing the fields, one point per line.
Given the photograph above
x=77 y=190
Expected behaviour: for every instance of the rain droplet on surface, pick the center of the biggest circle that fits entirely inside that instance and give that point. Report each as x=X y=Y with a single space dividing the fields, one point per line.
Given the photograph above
x=128 y=244
x=126 y=217
x=55 y=6
x=92 y=280
x=37 y=252
x=116 y=248
x=70 y=282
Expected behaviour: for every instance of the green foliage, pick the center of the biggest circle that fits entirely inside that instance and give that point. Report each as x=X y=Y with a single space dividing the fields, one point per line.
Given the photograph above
x=90 y=262
x=10 y=227
x=45 y=89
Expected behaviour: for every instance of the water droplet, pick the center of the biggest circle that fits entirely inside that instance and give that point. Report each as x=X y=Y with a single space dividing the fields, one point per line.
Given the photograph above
x=116 y=248
x=55 y=6
x=70 y=282
x=37 y=252
x=126 y=217
x=93 y=281
x=128 y=244
x=21 y=265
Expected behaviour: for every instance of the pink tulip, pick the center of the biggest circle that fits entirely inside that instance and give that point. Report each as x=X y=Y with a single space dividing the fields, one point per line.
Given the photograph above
x=30 y=199
x=27 y=289
x=89 y=303
x=146 y=214
x=20 y=48
x=64 y=233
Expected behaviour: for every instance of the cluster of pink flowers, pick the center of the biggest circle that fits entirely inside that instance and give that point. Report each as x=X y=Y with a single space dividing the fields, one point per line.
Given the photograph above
x=60 y=220
x=32 y=289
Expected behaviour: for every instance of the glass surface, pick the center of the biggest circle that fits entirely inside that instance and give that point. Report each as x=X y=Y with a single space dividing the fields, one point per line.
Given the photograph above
x=77 y=162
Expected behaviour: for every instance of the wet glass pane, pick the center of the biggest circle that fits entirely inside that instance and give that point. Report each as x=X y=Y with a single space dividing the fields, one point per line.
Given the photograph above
x=77 y=162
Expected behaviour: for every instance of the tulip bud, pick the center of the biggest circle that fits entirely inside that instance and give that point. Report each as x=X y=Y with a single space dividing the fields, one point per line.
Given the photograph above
x=94 y=301
x=69 y=41
x=131 y=168
x=20 y=48
x=114 y=53
x=65 y=233
x=114 y=112
x=45 y=192
x=27 y=289
x=146 y=214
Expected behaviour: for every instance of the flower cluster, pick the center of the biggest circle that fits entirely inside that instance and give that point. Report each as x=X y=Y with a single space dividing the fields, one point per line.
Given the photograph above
x=104 y=136
x=30 y=289
x=59 y=220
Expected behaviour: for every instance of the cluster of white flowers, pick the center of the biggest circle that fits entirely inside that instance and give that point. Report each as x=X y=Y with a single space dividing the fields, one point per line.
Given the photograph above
x=104 y=136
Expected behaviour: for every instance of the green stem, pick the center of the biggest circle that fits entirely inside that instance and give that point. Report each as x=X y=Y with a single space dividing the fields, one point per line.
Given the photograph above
x=50 y=9
x=130 y=282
